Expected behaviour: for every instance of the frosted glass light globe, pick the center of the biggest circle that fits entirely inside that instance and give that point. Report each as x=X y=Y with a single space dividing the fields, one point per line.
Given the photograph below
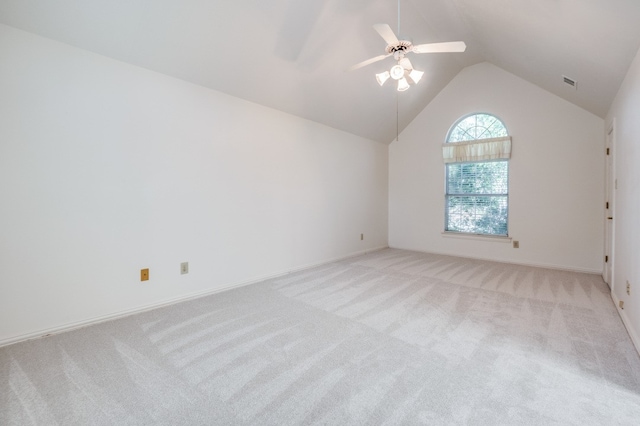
x=403 y=85
x=397 y=72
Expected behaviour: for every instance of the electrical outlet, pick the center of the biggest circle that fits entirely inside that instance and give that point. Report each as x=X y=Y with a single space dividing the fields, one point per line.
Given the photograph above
x=516 y=244
x=361 y=237
x=144 y=274
x=628 y=288
x=184 y=268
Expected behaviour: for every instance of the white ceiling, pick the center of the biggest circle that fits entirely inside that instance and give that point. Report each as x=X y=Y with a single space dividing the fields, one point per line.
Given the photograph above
x=292 y=54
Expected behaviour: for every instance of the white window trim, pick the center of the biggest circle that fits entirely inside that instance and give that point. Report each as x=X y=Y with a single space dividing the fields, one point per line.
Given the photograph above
x=473 y=151
x=478 y=237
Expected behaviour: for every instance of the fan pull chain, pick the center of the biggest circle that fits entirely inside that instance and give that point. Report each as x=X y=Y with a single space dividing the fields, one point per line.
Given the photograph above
x=397 y=94
x=397 y=117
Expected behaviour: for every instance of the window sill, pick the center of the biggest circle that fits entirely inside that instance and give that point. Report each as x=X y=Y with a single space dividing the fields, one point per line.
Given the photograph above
x=477 y=237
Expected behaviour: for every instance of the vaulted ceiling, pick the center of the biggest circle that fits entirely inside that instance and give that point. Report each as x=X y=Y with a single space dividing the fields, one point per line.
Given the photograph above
x=292 y=55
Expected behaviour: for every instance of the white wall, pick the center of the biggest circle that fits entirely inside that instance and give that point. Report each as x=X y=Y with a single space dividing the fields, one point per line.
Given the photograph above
x=556 y=201
x=106 y=168
x=625 y=111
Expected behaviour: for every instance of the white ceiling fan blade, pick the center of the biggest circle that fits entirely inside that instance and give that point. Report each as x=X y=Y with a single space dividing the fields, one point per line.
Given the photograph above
x=406 y=64
x=368 y=61
x=386 y=33
x=449 y=46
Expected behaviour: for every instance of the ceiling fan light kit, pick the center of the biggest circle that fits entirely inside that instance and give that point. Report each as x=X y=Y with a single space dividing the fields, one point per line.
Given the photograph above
x=402 y=75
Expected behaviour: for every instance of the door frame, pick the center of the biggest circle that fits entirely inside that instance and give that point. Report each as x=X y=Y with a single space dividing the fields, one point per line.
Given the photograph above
x=609 y=211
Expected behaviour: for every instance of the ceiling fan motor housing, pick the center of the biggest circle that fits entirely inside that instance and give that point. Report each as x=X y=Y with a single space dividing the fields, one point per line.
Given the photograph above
x=402 y=47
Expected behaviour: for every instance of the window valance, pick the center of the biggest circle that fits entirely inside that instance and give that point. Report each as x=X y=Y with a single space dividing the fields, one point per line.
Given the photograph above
x=477 y=150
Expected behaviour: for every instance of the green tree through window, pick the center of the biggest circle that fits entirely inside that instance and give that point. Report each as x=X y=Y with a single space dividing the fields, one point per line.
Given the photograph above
x=477 y=193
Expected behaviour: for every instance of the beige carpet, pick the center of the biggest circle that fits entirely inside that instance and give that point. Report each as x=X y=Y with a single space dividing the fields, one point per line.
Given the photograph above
x=393 y=337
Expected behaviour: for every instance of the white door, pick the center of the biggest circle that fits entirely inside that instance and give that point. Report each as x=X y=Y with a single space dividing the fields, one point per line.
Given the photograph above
x=610 y=187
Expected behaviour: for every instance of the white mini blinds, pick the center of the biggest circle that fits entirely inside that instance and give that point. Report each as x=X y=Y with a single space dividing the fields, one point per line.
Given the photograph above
x=477 y=150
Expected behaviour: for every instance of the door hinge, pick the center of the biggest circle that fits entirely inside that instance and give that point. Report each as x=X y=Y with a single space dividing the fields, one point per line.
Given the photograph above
x=606 y=259
x=607 y=204
x=607 y=151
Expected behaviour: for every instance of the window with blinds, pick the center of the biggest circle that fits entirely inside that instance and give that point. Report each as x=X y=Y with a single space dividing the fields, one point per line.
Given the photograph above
x=477 y=192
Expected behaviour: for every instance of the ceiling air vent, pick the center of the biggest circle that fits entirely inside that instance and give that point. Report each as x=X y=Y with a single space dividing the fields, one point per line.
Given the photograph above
x=570 y=82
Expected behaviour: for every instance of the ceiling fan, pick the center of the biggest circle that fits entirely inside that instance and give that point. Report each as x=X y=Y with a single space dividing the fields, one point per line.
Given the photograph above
x=403 y=72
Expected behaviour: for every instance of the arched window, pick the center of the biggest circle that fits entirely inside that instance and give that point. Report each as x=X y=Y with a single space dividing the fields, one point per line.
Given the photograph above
x=476 y=154
x=475 y=127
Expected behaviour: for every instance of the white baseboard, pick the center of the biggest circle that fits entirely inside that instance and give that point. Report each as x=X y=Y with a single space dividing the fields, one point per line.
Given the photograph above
x=635 y=337
x=523 y=263
x=144 y=308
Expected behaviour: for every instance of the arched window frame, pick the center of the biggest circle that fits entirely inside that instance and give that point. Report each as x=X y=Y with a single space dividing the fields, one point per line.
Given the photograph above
x=476 y=176
x=475 y=114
